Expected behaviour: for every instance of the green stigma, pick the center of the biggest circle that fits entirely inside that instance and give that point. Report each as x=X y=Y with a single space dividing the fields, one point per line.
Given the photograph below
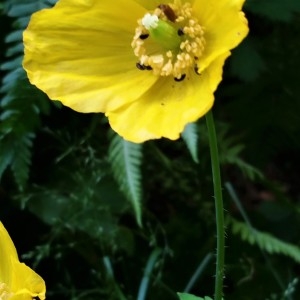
x=162 y=32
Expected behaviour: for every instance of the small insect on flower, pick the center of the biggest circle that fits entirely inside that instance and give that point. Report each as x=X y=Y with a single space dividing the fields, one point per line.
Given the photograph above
x=168 y=11
x=142 y=68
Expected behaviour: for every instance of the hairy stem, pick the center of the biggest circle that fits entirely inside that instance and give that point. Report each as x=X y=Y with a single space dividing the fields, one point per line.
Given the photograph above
x=215 y=165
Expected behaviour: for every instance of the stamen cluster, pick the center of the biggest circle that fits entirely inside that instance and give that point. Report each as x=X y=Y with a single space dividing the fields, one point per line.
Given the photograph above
x=178 y=61
x=4 y=292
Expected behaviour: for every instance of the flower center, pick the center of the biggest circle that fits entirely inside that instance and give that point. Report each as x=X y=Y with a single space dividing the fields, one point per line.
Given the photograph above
x=4 y=292
x=169 y=41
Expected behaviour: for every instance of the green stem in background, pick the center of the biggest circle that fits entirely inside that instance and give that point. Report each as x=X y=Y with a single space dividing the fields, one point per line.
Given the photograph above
x=215 y=165
x=208 y=257
x=147 y=274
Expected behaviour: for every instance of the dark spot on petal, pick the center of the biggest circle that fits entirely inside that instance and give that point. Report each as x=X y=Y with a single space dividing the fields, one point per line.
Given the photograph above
x=196 y=57
x=149 y=68
x=181 y=78
x=144 y=36
x=180 y=32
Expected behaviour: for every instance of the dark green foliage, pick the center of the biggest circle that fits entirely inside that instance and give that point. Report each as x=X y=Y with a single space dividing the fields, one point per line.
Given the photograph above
x=275 y=10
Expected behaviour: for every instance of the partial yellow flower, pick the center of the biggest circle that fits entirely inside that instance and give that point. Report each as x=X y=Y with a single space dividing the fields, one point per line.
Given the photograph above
x=17 y=281
x=151 y=66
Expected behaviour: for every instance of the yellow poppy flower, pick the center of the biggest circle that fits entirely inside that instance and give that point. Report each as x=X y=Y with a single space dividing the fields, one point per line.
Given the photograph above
x=151 y=66
x=17 y=281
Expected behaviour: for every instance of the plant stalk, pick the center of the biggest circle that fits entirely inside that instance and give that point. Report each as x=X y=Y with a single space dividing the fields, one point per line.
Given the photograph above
x=215 y=165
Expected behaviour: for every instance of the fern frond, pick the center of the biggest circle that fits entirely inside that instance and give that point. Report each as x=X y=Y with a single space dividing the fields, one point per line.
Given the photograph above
x=125 y=159
x=265 y=241
x=21 y=104
x=230 y=153
x=22 y=159
x=5 y=153
x=190 y=137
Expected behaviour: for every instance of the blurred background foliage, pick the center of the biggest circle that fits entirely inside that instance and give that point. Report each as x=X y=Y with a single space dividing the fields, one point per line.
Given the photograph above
x=102 y=218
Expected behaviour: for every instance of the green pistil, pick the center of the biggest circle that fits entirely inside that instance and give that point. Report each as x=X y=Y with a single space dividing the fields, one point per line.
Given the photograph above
x=165 y=35
x=162 y=32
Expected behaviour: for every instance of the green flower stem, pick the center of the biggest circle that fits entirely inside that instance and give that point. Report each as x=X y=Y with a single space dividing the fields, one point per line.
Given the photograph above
x=215 y=165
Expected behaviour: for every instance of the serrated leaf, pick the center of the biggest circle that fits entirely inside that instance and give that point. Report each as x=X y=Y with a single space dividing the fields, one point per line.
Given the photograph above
x=185 y=296
x=7 y=114
x=265 y=241
x=14 y=50
x=6 y=153
x=125 y=158
x=22 y=159
x=11 y=64
x=190 y=137
x=14 y=36
x=11 y=78
x=19 y=10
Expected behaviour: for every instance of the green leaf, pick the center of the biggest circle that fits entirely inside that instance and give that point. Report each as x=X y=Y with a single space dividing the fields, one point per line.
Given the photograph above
x=190 y=137
x=125 y=158
x=265 y=241
x=184 y=296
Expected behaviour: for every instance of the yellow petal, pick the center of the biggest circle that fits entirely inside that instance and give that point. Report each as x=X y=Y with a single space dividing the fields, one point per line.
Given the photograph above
x=19 y=279
x=79 y=52
x=7 y=252
x=168 y=106
x=224 y=24
x=149 y=4
x=26 y=283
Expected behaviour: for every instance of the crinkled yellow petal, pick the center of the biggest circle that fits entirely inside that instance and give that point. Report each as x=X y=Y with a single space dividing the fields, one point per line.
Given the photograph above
x=20 y=280
x=7 y=252
x=168 y=106
x=79 y=53
x=25 y=283
x=224 y=24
